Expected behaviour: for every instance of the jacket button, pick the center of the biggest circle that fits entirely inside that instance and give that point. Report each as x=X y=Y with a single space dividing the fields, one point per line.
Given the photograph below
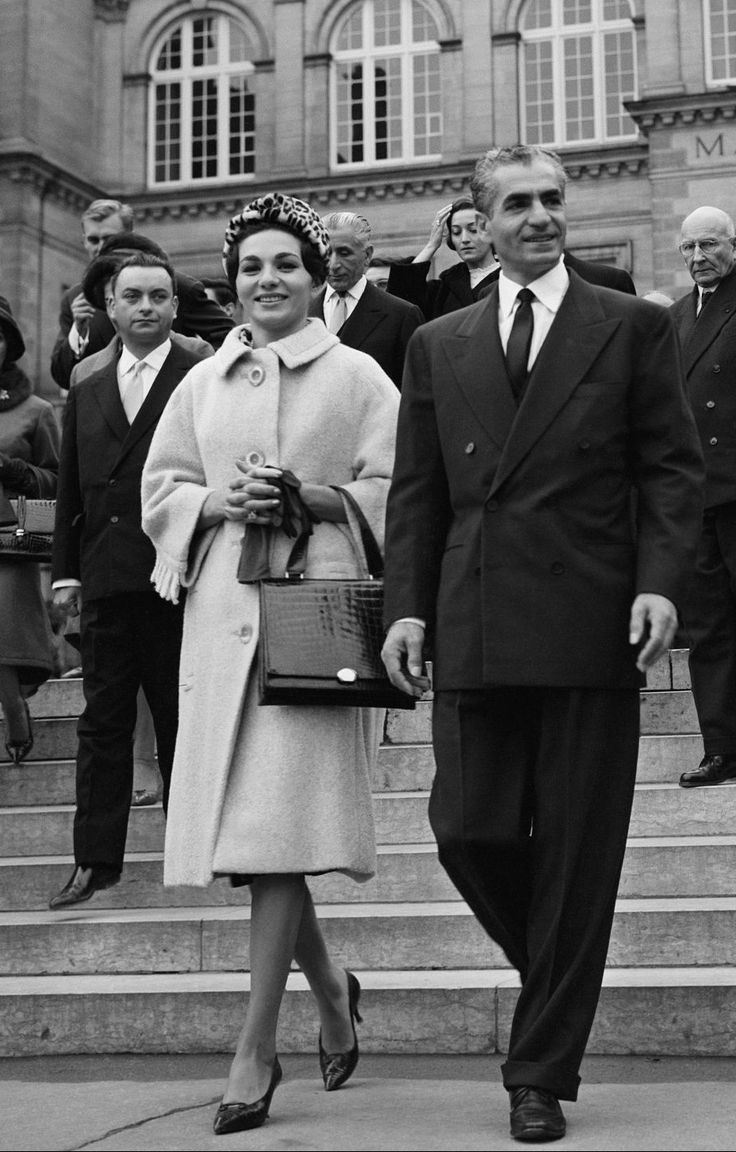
x=114 y=519
x=584 y=445
x=112 y=482
x=710 y=403
x=557 y=569
x=713 y=441
x=469 y=448
x=716 y=367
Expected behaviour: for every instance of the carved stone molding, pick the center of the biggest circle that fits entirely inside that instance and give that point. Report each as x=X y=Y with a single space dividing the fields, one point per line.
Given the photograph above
x=111 y=11
x=672 y=111
x=48 y=181
x=607 y=163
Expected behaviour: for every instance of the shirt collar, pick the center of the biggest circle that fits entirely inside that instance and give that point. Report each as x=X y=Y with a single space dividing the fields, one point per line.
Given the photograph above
x=356 y=291
x=155 y=358
x=548 y=289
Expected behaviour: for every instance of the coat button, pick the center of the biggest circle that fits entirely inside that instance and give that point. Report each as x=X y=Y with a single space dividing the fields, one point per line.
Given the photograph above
x=255 y=459
x=557 y=569
x=114 y=519
x=469 y=448
x=245 y=634
x=713 y=441
x=710 y=403
x=256 y=375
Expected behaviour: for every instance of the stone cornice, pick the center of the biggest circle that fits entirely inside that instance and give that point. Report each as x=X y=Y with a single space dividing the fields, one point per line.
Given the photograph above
x=367 y=188
x=111 y=11
x=670 y=111
x=22 y=166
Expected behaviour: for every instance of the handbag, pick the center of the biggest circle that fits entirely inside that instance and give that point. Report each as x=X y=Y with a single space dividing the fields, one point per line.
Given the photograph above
x=320 y=640
x=32 y=536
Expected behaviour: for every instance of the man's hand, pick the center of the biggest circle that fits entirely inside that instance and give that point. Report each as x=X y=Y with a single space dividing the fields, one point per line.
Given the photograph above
x=82 y=311
x=654 y=622
x=402 y=655
x=68 y=599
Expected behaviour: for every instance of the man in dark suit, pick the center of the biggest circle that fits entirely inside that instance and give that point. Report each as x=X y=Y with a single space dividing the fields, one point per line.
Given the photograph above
x=706 y=323
x=527 y=423
x=129 y=635
x=363 y=316
x=85 y=328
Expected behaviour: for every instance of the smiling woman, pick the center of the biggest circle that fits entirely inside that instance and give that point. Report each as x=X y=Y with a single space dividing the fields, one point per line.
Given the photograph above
x=287 y=790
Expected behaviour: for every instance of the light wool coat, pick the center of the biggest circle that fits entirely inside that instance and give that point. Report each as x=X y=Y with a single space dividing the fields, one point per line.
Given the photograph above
x=258 y=790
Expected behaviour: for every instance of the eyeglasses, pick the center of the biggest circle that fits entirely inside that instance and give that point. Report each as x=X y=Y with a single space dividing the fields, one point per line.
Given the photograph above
x=707 y=247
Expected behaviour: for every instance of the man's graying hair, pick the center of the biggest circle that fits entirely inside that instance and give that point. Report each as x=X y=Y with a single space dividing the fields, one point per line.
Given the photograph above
x=484 y=185
x=349 y=221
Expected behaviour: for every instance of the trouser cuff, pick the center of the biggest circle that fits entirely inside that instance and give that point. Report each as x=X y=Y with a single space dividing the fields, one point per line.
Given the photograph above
x=556 y=1078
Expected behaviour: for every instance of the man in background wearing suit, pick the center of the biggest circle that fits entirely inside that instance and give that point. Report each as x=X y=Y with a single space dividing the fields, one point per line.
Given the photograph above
x=363 y=316
x=706 y=323
x=129 y=635
x=527 y=423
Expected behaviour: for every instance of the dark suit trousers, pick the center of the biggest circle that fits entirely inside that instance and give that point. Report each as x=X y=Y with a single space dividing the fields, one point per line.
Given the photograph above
x=710 y=626
x=126 y=641
x=530 y=806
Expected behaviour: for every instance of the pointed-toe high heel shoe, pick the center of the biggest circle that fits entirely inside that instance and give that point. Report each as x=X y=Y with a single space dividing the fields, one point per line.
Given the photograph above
x=239 y=1117
x=18 y=749
x=337 y=1067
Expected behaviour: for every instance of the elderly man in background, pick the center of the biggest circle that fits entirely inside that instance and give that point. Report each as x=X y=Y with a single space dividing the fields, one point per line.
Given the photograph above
x=706 y=323
x=363 y=316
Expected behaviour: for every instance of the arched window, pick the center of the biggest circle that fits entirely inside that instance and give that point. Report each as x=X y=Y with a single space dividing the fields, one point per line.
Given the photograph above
x=578 y=66
x=720 y=38
x=386 y=85
x=202 y=122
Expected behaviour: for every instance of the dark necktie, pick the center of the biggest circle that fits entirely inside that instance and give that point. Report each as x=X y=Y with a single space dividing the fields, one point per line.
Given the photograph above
x=520 y=340
x=704 y=300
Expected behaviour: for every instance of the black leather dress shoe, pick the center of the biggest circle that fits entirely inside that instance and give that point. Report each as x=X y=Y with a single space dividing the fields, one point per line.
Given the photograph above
x=711 y=770
x=82 y=884
x=536 y=1115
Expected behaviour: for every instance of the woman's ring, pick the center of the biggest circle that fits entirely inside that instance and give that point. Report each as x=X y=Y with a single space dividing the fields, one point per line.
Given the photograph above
x=251 y=515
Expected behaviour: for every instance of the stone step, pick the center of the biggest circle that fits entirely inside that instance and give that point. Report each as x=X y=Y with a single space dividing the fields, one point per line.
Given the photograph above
x=400 y=817
x=647 y=933
x=657 y=866
x=650 y=1011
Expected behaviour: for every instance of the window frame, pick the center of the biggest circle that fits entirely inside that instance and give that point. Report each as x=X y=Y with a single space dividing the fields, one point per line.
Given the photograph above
x=407 y=51
x=710 y=79
x=556 y=34
x=186 y=76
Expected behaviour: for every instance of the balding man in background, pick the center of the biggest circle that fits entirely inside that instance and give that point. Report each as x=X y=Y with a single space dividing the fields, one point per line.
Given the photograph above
x=363 y=316
x=706 y=323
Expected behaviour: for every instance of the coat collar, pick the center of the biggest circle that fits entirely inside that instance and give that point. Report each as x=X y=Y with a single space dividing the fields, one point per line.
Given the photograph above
x=700 y=334
x=293 y=351
x=577 y=335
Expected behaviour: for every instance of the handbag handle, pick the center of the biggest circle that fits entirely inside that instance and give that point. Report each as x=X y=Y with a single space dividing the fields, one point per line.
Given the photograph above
x=7 y=514
x=373 y=556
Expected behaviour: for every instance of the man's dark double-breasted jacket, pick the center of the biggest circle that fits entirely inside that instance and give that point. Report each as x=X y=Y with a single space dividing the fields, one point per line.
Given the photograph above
x=514 y=533
x=380 y=325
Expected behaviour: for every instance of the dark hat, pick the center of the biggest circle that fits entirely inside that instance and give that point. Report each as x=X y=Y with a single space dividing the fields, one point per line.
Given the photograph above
x=113 y=253
x=462 y=204
x=131 y=242
x=16 y=345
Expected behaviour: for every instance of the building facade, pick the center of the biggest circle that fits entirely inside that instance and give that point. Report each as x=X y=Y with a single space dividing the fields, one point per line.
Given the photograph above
x=188 y=108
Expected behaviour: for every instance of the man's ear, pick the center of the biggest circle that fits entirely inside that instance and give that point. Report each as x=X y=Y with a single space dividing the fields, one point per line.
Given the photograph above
x=175 y=302
x=368 y=254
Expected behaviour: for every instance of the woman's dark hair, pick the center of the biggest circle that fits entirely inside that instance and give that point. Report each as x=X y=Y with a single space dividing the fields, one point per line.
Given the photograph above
x=14 y=342
x=462 y=204
x=311 y=259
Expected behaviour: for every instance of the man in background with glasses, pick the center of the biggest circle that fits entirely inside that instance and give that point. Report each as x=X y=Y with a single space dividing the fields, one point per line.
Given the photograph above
x=706 y=323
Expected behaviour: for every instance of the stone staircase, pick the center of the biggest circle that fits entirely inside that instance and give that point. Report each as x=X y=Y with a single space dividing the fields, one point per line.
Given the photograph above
x=147 y=969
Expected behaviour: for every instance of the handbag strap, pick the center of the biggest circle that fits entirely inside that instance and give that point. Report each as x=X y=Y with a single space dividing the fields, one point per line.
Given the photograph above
x=7 y=514
x=373 y=556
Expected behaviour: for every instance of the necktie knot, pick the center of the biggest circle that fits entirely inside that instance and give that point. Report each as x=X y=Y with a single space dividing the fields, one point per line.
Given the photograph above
x=525 y=296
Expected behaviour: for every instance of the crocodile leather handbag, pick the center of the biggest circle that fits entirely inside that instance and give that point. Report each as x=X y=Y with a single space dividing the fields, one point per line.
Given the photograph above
x=31 y=536
x=320 y=640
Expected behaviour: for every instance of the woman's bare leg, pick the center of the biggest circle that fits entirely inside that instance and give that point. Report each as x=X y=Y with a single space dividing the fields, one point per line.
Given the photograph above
x=327 y=981
x=276 y=913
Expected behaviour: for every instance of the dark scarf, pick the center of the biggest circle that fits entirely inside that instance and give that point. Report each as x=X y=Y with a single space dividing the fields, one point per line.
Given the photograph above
x=15 y=387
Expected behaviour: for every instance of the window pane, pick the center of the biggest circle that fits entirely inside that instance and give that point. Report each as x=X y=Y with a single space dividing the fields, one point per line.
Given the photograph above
x=618 y=66
x=351 y=33
x=578 y=77
x=170 y=55
x=204 y=41
x=386 y=22
x=427 y=117
x=387 y=108
x=167 y=133
x=241 y=128
x=616 y=10
x=240 y=49
x=539 y=92
x=204 y=128
x=538 y=14
x=576 y=11
x=350 y=114
x=723 y=38
x=423 y=27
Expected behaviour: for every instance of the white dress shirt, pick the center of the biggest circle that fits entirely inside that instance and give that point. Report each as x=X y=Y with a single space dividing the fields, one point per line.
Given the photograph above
x=352 y=296
x=549 y=291
x=135 y=383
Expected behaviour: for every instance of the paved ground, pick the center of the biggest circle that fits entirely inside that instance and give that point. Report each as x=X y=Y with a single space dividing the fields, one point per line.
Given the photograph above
x=133 y=1103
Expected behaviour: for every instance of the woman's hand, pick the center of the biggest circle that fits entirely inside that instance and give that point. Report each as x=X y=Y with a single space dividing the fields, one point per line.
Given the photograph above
x=437 y=234
x=249 y=497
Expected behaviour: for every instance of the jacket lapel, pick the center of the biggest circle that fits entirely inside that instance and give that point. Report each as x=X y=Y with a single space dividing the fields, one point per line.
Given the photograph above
x=474 y=357
x=706 y=328
x=578 y=333
x=366 y=315
x=107 y=394
x=153 y=405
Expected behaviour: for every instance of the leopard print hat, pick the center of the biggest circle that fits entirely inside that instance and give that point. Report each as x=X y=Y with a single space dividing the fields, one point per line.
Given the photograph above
x=291 y=213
